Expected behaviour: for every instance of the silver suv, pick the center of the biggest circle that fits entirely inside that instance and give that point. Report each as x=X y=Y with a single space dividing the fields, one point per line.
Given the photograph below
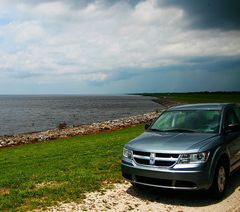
x=187 y=147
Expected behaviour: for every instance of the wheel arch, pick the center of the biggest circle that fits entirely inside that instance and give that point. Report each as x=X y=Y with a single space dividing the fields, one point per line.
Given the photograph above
x=220 y=156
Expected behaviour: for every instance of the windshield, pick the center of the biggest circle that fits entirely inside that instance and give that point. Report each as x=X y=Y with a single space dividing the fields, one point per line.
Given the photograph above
x=207 y=121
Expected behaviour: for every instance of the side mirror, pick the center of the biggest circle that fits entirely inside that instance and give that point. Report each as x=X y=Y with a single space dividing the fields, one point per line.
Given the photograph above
x=232 y=128
x=147 y=126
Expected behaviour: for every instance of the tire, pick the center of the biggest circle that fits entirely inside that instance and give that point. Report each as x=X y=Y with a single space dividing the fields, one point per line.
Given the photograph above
x=220 y=180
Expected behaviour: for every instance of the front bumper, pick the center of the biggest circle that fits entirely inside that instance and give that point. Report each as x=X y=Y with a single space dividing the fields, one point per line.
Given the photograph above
x=183 y=179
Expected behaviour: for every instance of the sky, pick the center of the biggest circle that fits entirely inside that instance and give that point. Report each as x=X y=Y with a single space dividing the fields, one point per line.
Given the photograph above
x=119 y=46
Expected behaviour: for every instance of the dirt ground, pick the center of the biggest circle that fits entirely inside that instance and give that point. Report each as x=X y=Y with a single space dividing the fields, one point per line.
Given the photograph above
x=124 y=197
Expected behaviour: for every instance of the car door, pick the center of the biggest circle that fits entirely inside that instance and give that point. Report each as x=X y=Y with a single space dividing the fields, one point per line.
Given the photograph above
x=237 y=112
x=232 y=138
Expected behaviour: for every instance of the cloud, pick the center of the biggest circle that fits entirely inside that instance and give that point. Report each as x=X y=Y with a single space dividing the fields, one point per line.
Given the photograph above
x=106 y=42
x=194 y=74
x=205 y=14
x=96 y=38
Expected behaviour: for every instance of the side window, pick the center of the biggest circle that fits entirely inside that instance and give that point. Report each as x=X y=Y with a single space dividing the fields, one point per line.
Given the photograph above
x=237 y=111
x=231 y=118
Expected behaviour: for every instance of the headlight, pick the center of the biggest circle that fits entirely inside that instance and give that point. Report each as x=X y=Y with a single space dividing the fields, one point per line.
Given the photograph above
x=127 y=153
x=194 y=158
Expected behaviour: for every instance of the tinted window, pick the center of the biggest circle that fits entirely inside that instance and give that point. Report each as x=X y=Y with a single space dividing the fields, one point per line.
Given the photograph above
x=237 y=111
x=231 y=118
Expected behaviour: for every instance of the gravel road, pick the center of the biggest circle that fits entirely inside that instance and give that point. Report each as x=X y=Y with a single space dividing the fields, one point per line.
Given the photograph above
x=124 y=197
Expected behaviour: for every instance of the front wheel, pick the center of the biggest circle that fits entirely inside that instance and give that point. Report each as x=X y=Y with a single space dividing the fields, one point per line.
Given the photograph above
x=218 y=188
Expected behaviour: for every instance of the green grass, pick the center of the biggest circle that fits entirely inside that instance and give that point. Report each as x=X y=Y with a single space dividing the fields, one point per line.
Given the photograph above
x=208 y=97
x=40 y=175
x=201 y=97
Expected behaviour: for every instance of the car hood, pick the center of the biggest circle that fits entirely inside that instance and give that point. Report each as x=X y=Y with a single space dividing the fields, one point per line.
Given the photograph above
x=170 y=142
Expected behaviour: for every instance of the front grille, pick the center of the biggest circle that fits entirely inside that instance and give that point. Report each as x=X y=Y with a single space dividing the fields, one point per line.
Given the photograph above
x=141 y=153
x=163 y=163
x=142 y=161
x=154 y=159
x=161 y=155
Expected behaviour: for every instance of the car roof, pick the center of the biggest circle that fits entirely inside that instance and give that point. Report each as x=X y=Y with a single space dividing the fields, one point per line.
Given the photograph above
x=202 y=106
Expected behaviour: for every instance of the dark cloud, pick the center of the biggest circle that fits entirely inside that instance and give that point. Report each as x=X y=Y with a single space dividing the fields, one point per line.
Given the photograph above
x=205 y=14
x=202 y=14
x=214 y=63
x=194 y=74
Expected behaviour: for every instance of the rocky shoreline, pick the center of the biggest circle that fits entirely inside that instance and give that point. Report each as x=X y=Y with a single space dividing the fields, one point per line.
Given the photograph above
x=6 y=141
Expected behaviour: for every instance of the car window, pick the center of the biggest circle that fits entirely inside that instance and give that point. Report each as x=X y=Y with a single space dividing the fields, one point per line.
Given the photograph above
x=192 y=120
x=237 y=111
x=231 y=118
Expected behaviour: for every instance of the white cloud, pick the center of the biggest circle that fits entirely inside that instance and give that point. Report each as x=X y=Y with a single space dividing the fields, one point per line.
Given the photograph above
x=52 y=39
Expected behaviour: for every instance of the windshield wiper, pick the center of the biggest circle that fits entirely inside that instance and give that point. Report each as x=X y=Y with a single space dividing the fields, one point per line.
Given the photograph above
x=178 y=130
x=153 y=129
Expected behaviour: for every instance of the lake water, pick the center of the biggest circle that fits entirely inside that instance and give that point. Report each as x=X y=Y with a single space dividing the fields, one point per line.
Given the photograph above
x=19 y=114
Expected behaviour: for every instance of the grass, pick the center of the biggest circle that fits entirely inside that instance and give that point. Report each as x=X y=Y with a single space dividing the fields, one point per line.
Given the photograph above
x=39 y=175
x=169 y=99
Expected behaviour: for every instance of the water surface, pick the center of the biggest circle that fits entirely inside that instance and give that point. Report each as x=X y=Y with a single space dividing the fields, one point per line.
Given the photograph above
x=19 y=114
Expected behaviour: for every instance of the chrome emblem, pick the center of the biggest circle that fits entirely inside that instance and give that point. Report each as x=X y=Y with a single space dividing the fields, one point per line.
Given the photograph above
x=152 y=158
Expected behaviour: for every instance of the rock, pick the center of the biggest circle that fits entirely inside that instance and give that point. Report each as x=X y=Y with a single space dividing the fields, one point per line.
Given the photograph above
x=74 y=131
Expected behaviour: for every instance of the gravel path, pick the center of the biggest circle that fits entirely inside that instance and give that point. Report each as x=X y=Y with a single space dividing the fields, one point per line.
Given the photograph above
x=124 y=197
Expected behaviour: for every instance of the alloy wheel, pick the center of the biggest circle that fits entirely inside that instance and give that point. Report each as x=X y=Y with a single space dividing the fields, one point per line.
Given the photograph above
x=221 y=178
